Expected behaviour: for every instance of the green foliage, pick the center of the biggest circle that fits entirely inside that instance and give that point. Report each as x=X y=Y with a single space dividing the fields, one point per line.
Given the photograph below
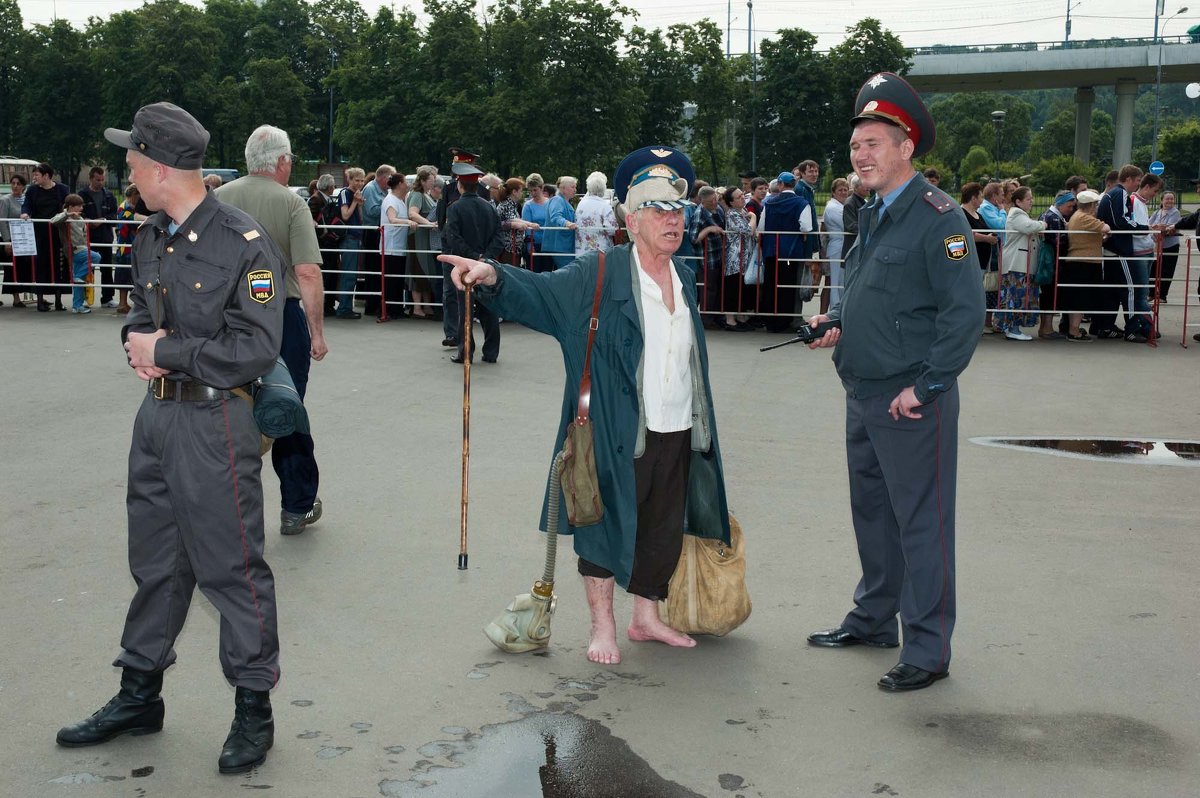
x=965 y=121
x=1050 y=174
x=12 y=44
x=1179 y=150
x=975 y=165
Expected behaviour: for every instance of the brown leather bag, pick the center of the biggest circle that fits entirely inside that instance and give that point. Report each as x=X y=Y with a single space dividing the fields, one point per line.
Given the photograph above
x=580 y=482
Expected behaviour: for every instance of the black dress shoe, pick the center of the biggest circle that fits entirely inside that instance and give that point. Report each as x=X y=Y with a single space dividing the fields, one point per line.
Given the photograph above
x=452 y=343
x=840 y=638
x=459 y=360
x=349 y=314
x=252 y=733
x=136 y=709
x=909 y=677
x=487 y=359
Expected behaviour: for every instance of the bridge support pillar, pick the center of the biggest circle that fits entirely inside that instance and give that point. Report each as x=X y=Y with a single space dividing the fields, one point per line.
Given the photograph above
x=1123 y=123
x=1085 y=96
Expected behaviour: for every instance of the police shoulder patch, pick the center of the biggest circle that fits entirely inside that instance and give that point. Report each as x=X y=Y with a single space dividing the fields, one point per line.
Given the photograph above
x=956 y=247
x=261 y=283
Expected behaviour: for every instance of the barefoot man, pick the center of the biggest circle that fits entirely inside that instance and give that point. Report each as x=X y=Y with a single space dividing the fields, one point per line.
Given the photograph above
x=651 y=408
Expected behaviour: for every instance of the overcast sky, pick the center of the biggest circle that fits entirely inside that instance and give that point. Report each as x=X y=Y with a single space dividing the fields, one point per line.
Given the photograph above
x=917 y=23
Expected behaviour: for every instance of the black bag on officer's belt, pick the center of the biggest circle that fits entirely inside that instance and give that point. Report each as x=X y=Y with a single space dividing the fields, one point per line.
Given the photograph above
x=278 y=409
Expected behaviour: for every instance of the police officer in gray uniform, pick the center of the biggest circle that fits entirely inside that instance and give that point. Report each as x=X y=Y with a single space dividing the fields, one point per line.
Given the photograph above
x=910 y=316
x=207 y=321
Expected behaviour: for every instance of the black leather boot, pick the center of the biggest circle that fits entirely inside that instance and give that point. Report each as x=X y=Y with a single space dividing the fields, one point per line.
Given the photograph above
x=136 y=709
x=252 y=733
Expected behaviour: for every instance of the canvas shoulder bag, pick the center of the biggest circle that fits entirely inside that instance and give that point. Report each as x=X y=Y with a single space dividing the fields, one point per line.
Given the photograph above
x=580 y=481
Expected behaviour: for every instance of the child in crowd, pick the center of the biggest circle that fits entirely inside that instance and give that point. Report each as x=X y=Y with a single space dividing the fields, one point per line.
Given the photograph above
x=73 y=230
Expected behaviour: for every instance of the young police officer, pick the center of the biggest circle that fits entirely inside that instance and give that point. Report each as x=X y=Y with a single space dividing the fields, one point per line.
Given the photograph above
x=207 y=321
x=910 y=315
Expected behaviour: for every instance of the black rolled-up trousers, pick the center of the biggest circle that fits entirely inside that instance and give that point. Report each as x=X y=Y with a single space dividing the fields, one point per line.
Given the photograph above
x=661 y=476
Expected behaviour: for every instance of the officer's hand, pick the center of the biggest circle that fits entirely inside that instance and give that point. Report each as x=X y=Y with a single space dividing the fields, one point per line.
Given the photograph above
x=904 y=404
x=150 y=373
x=140 y=347
x=467 y=270
x=828 y=339
x=319 y=349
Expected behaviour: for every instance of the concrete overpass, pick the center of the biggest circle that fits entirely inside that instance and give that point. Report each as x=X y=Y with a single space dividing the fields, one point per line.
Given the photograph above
x=1081 y=68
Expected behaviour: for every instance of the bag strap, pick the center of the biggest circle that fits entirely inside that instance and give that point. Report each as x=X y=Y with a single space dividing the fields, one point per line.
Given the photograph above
x=585 y=384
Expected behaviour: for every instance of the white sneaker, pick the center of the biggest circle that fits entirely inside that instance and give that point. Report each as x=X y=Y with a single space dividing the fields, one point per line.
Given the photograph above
x=81 y=310
x=109 y=304
x=1018 y=336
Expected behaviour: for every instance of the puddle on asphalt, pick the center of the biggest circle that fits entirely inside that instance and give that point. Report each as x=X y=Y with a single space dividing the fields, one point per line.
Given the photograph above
x=548 y=754
x=1141 y=452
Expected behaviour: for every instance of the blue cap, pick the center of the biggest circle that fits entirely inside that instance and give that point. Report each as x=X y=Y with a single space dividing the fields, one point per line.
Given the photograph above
x=663 y=174
x=787 y=177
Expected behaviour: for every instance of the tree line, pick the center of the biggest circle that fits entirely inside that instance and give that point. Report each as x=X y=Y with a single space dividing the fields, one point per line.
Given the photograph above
x=555 y=86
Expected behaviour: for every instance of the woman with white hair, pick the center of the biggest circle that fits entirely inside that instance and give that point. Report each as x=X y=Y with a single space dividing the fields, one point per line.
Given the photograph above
x=595 y=217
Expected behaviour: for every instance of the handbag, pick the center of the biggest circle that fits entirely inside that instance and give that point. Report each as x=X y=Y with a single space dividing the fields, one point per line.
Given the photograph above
x=707 y=593
x=1045 y=265
x=753 y=275
x=991 y=282
x=805 y=291
x=579 y=479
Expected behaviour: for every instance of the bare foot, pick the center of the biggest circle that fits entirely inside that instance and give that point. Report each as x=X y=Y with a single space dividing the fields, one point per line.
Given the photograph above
x=603 y=646
x=646 y=625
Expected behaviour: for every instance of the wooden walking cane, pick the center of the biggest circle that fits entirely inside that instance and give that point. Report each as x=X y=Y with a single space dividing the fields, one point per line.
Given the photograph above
x=466 y=446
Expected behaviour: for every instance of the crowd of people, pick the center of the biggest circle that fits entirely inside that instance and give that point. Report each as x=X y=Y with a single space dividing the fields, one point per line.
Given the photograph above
x=761 y=248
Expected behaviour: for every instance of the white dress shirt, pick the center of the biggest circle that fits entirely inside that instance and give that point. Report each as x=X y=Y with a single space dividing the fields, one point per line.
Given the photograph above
x=667 y=355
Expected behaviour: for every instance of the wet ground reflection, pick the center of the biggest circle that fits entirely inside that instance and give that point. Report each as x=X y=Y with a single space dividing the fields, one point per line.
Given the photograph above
x=542 y=754
x=1145 y=452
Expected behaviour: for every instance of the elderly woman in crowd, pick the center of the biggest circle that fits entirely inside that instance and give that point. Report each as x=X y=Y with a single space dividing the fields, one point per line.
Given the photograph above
x=595 y=217
x=512 y=225
x=1055 y=242
x=393 y=215
x=423 y=267
x=831 y=219
x=741 y=251
x=534 y=211
x=1018 y=301
x=656 y=451
x=1165 y=218
x=560 y=214
x=10 y=208
x=43 y=199
x=1080 y=274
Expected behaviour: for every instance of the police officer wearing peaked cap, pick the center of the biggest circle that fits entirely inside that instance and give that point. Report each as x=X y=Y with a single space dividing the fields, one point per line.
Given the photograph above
x=206 y=321
x=462 y=161
x=910 y=315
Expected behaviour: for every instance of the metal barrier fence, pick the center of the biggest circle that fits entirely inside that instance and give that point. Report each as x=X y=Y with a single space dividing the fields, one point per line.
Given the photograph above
x=725 y=270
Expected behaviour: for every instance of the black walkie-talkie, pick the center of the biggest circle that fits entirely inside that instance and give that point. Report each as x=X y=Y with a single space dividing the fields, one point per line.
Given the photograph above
x=806 y=334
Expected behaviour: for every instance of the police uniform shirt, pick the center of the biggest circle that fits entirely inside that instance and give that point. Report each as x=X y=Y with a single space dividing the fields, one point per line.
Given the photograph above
x=473 y=228
x=214 y=284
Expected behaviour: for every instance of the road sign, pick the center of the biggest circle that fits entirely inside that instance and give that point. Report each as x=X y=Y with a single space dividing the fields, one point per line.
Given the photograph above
x=1157 y=168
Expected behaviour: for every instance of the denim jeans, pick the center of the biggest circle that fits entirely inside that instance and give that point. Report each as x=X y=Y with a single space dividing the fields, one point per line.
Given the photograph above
x=349 y=275
x=79 y=271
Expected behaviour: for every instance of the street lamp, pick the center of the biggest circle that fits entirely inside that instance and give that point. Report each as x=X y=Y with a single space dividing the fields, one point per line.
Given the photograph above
x=998 y=121
x=753 y=84
x=1158 y=82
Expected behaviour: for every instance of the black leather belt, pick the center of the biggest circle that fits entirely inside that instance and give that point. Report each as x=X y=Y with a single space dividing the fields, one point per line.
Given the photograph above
x=188 y=390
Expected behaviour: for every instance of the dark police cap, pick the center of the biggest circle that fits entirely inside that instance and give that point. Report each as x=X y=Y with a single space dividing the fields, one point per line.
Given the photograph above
x=165 y=133
x=463 y=169
x=654 y=176
x=887 y=97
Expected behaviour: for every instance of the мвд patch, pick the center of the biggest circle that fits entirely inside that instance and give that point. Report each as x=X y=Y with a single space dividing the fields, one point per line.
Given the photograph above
x=262 y=285
x=956 y=247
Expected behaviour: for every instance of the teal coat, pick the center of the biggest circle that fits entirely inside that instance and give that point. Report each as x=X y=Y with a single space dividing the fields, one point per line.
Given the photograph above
x=559 y=303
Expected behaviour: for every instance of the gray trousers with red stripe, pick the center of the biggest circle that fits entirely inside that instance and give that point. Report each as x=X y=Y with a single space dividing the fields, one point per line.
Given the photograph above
x=195 y=506
x=902 y=486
